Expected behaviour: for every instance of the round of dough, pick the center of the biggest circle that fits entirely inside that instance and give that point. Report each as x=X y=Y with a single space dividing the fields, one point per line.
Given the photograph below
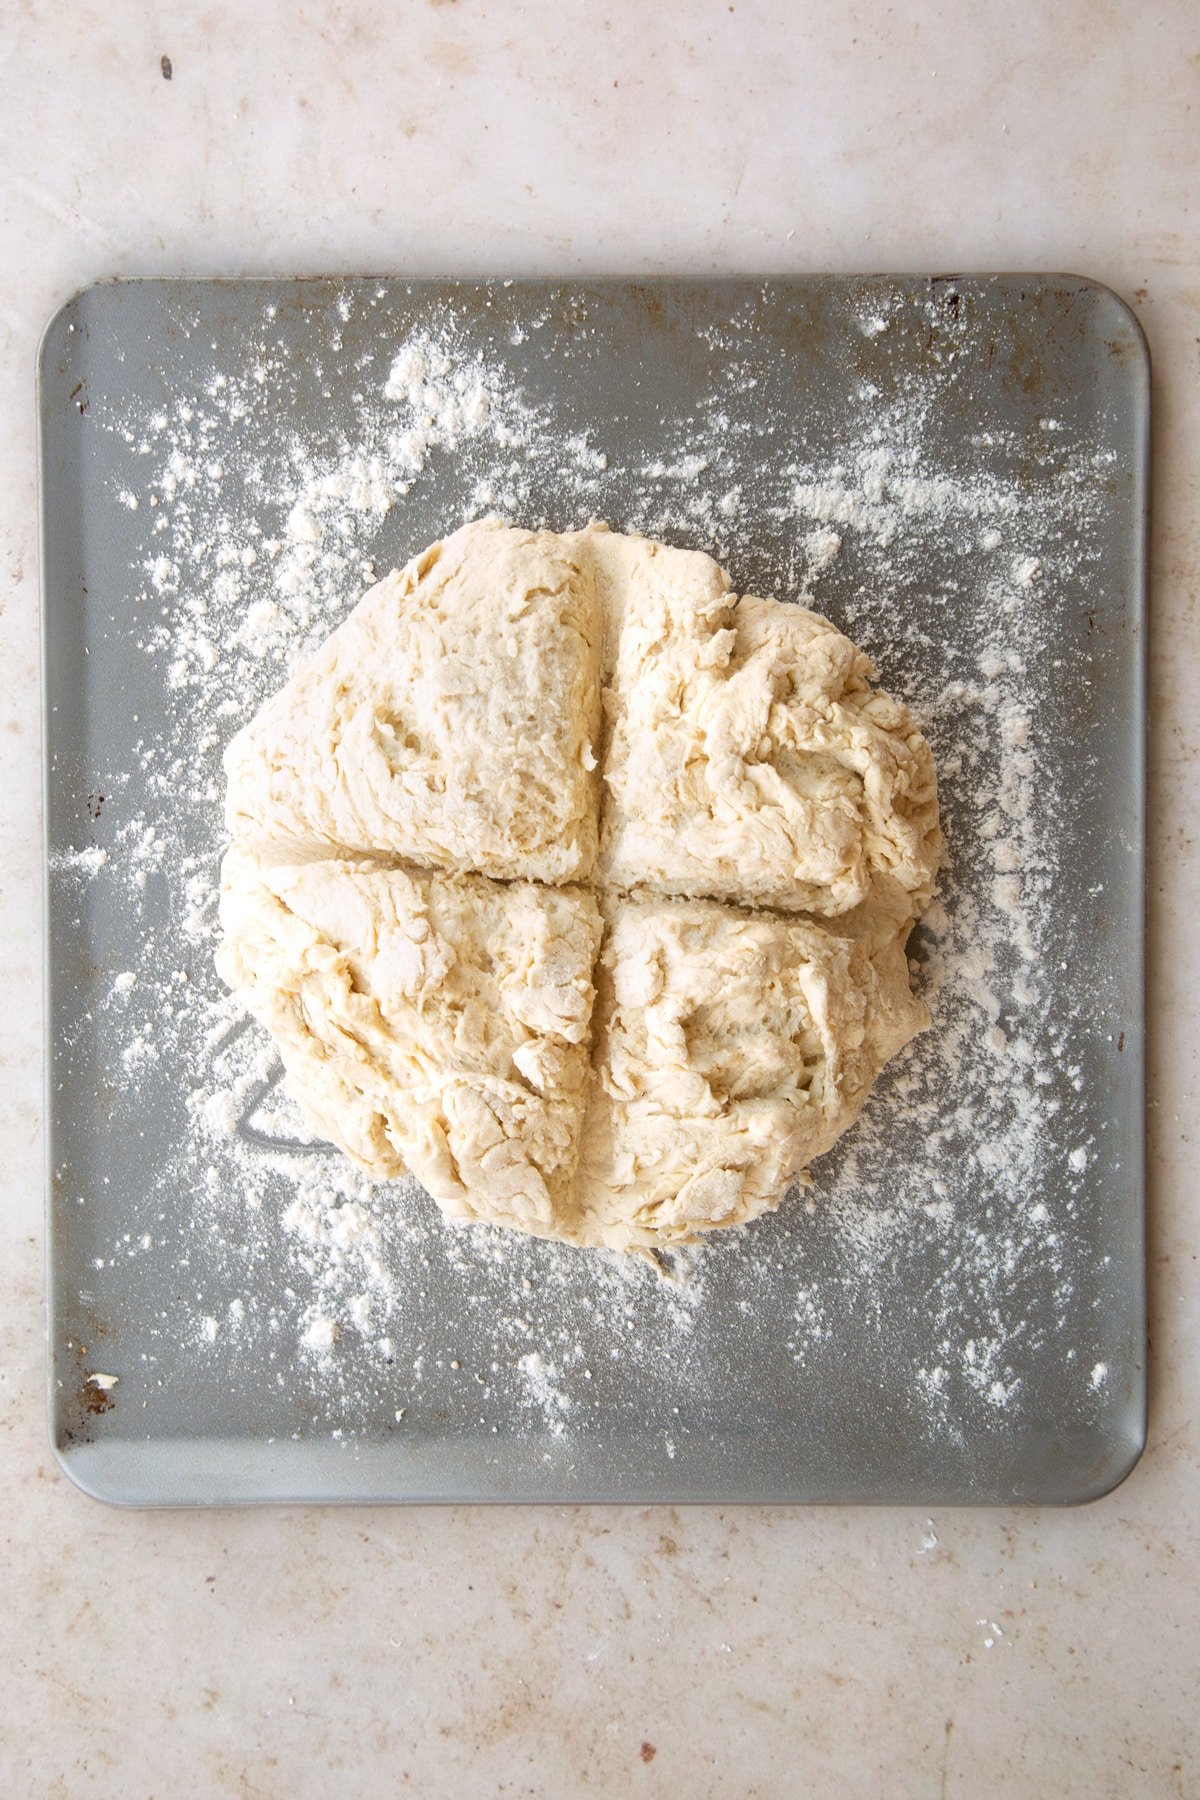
x=578 y=885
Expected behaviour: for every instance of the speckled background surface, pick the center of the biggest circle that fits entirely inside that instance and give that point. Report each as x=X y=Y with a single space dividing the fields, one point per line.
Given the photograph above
x=604 y=1651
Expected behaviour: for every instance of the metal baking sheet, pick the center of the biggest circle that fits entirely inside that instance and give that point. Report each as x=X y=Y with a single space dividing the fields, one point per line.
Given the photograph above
x=942 y=1319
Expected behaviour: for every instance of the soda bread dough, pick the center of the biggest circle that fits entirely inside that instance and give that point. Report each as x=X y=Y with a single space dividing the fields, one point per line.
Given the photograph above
x=516 y=726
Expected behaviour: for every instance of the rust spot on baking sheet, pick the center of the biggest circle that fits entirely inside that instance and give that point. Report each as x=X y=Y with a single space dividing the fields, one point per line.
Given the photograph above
x=1028 y=373
x=95 y=804
x=800 y=328
x=946 y=290
x=94 y=1399
x=648 y=1751
x=649 y=299
x=90 y=1399
x=1121 y=1043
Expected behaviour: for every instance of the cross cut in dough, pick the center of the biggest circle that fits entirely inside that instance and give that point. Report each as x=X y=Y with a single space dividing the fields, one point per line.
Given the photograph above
x=536 y=777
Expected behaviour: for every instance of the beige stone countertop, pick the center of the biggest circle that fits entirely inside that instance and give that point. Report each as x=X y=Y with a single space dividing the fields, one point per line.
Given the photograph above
x=736 y=1652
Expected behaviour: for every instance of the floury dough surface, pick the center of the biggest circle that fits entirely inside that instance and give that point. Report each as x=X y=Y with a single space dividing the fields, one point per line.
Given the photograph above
x=451 y=720
x=432 y=1022
x=751 y=759
x=730 y=1047
x=518 y=867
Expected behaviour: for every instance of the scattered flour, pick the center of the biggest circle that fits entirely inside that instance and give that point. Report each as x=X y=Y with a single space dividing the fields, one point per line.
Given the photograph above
x=88 y=861
x=542 y=1380
x=257 y=539
x=320 y=1334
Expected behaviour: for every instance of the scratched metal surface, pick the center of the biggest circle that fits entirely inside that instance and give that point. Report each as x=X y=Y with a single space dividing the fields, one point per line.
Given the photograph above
x=742 y=1419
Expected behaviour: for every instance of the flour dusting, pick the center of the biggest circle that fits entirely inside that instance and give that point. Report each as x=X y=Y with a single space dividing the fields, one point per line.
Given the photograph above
x=257 y=535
